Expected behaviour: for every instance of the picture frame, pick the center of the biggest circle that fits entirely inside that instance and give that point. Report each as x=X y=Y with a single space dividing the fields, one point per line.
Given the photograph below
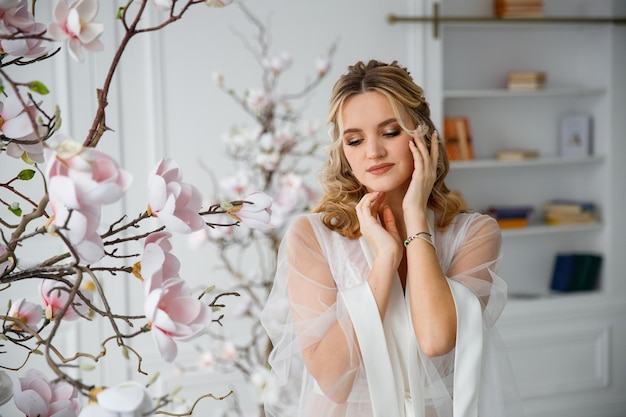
x=576 y=136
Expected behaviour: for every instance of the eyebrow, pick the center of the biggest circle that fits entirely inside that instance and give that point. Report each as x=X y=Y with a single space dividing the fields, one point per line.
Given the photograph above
x=381 y=124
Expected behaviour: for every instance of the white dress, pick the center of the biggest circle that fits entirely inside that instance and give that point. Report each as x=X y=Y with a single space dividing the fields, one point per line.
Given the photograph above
x=321 y=281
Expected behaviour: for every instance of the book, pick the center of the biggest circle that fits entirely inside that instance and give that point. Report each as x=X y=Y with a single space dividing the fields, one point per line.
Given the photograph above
x=516 y=154
x=586 y=271
x=527 y=76
x=518 y=8
x=575 y=272
x=556 y=219
x=509 y=217
x=457 y=139
x=507 y=212
x=512 y=223
x=557 y=212
x=525 y=80
x=562 y=272
x=569 y=206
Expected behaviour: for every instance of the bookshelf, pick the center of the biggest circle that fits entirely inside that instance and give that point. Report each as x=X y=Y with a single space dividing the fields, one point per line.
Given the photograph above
x=462 y=57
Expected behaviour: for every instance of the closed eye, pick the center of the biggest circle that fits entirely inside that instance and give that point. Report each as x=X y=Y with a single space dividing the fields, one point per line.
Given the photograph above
x=354 y=141
x=391 y=134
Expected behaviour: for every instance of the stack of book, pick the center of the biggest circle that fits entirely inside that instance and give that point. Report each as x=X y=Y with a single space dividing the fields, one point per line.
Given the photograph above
x=575 y=272
x=518 y=9
x=510 y=216
x=525 y=80
x=516 y=154
x=557 y=212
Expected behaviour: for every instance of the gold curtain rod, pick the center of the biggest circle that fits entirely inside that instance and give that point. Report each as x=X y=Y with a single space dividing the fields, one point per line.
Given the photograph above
x=437 y=19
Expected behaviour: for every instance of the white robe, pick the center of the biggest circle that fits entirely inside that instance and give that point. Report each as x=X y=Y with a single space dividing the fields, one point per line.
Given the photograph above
x=321 y=280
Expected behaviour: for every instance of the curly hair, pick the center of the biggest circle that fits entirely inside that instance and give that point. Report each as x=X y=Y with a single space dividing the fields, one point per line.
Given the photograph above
x=342 y=191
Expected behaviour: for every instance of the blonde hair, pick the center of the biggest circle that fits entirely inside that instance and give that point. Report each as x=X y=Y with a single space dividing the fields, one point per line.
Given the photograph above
x=342 y=191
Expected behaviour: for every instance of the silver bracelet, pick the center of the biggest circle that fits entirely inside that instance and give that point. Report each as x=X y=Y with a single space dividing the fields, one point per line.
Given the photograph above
x=418 y=235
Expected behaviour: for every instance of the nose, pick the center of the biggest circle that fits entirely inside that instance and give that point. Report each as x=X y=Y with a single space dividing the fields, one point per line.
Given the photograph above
x=374 y=149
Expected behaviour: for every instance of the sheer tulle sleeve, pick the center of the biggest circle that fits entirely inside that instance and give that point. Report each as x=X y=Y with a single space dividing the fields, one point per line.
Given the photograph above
x=301 y=311
x=470 y=252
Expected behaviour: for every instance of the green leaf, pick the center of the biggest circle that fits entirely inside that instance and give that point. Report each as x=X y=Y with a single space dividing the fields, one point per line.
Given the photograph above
x=38 y=87
x=15 y=209
x=120 y=11
x=26 y=174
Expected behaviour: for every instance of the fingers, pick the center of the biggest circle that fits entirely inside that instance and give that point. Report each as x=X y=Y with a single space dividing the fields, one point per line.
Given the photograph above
x=389 y=222
x=434 y=148
x=370 y=204
x=421 y=152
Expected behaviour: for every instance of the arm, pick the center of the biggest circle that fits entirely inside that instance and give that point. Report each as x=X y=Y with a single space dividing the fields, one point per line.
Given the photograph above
x=433 y=311
x=325 y=335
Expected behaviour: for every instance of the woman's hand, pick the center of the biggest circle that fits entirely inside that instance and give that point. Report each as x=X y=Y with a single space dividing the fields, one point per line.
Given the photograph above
x=424 y=175
x=383 y=237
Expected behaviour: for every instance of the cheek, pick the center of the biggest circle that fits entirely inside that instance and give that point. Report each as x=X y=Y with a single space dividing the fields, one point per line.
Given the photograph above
x=349 y=155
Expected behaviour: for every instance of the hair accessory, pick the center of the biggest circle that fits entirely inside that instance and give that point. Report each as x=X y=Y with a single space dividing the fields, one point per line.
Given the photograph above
x=418 y=235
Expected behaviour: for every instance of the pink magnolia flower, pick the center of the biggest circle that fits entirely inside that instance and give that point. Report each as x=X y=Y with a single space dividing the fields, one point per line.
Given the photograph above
x=291 y=196
x=36 y=396
x=28 y=313
x=129 y=399
x=15 y=123
x=237 y=183
x=80 y=227
x=277 y=64
x=268 y=161
x=175 y=314
x=159 y=4
x=80 y=176
x=174 y=202
x=55 y=295
x=322 y=65
x=259 y=100
x=75 y=24
x=228 y=352
x=218 y=3
x=218 y=78
x=206 y=361
x=18 y=25
x=157 y=263
x=254 y=211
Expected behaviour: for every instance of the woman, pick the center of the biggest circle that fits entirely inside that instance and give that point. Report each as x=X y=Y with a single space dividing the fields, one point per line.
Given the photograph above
x=385 y=299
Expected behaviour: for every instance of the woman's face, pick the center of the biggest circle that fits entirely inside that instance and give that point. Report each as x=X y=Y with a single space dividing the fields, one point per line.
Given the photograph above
x=374 y=144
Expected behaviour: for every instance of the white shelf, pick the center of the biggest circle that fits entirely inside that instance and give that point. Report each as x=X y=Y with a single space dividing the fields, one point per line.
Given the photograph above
x=544 y=161
x=567 y=91
x=542 y=229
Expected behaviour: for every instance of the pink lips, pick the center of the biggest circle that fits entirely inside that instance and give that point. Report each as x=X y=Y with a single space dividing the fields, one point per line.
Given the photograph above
x=379 y=169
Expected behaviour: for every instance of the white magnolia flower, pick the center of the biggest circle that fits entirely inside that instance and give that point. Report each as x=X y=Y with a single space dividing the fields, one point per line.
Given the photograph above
x=6 y=387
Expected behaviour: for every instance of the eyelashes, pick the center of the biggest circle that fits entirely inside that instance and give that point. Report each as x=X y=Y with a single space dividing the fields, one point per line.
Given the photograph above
x=358 y=140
